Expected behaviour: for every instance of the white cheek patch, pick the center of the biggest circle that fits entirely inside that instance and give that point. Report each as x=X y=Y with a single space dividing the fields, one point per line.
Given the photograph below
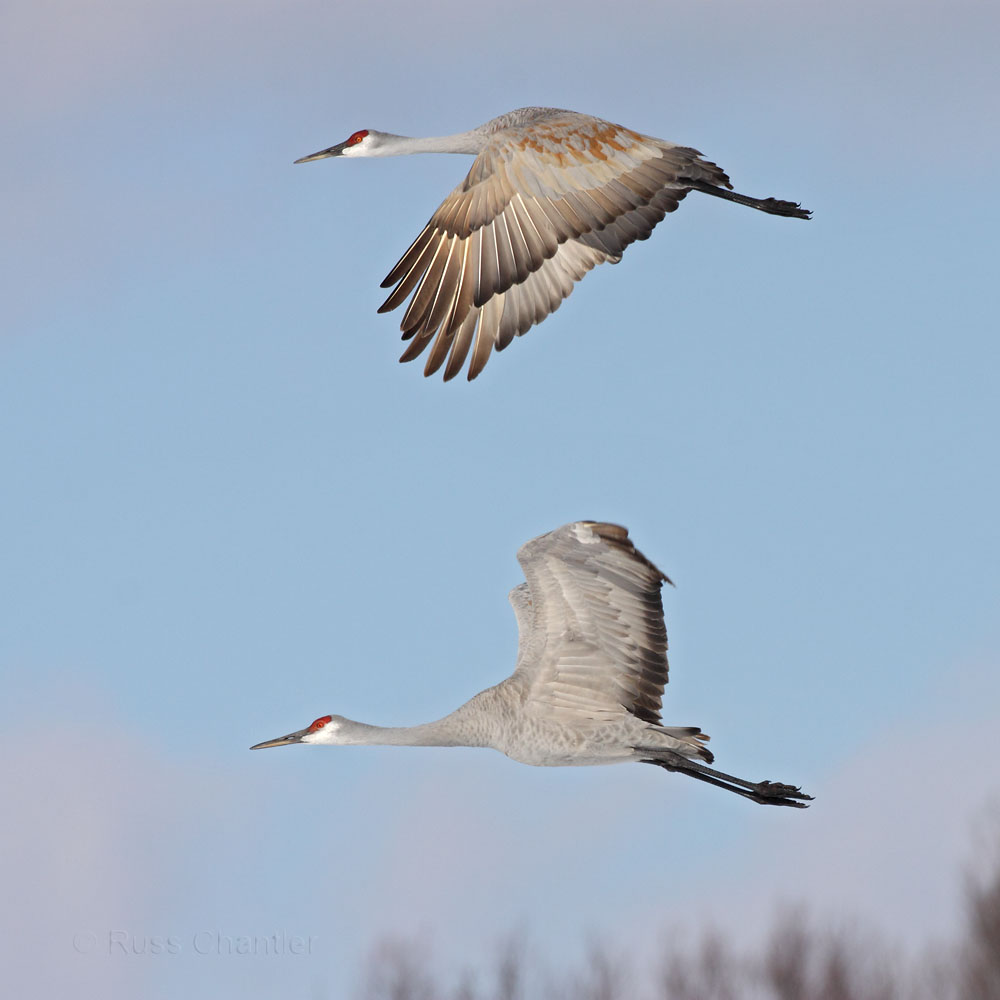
x=325 y=735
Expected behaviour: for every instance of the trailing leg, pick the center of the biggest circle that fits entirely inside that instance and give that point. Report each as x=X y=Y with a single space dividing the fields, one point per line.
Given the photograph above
x=768 y=793
x=773 y=206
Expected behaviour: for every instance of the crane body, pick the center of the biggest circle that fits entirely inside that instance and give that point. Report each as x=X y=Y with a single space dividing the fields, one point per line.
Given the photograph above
x=591 y=667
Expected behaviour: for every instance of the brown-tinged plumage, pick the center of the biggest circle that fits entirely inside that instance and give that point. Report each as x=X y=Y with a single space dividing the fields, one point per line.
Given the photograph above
x=551 y=194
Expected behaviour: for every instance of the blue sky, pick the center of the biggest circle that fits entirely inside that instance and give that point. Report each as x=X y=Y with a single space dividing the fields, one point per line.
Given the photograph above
x=229 y=510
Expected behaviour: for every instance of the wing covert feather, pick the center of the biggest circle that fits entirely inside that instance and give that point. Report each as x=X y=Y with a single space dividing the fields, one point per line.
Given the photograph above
x=593 y=641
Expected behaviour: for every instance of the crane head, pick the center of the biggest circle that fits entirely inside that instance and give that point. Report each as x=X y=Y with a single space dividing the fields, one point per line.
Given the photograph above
x=358 y=143
x=322 y=730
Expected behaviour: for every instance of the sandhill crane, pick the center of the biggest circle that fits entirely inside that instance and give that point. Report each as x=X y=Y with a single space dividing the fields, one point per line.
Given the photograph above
x=551 y=194
x=591 y=667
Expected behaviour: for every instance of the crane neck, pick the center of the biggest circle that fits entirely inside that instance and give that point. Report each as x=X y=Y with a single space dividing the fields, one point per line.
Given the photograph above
x=451 y=731
x=398 y=145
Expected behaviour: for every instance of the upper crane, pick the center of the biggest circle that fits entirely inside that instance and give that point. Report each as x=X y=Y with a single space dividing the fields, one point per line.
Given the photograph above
x=551 y=194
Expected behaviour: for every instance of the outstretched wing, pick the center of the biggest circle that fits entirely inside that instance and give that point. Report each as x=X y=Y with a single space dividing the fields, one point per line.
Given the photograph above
x=543 y=203
x=593 y=639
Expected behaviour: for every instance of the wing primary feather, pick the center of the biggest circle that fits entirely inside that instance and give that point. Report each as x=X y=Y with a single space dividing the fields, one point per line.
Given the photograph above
x=416 y=346
x=439 y=352
x=448 y=285
x=481 y=350
x=405 y=262
x=460 y=348
x=459 y=311
x=408 y=281
x=489 y=267
x=507 y=267
x=545 y=237
x=417 y=310
x=526 y=258
x=489 y=319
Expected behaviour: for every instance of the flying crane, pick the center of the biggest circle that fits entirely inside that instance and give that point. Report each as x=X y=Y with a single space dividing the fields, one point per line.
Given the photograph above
x=591 y=668
x=551 y=194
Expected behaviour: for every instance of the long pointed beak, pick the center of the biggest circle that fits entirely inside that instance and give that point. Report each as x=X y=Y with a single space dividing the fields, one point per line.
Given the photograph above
x=324 y=153
x=282 y=741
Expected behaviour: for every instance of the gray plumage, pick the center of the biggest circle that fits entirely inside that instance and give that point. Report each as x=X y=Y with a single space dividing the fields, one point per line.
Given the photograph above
x=551 y=194
x=588 y=683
